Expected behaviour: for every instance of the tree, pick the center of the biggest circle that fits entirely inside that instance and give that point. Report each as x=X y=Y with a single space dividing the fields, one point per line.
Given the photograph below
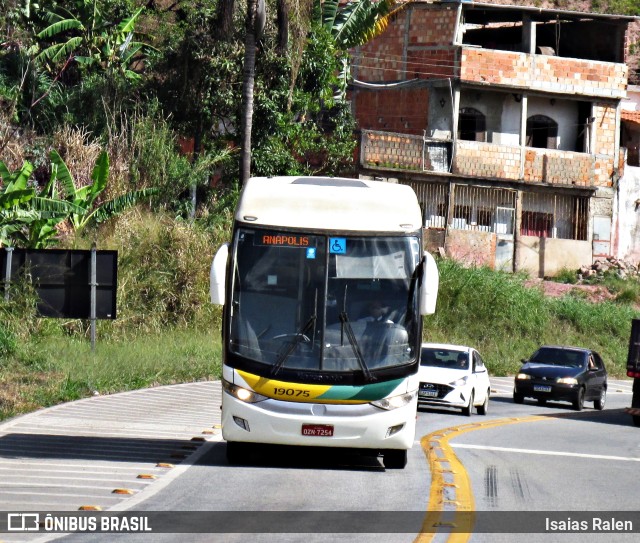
x=30 y=219
x=354 y=24
x=84 y=199
x=305 y=132
x=248 y=80
x=26 y=218
x=224 y=19
x=90 y=38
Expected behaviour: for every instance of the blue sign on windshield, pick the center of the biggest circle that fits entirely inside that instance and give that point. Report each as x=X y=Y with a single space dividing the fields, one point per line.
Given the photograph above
x=311 y=252
x=338 y=246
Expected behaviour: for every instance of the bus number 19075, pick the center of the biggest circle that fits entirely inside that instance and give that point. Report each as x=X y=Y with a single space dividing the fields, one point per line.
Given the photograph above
x=291 y=392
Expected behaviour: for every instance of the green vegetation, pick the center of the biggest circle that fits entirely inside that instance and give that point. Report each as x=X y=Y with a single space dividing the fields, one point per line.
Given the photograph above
x=61 y=368
x=30 y=219
x=506 y=321
x=626 y=290
x=567 y=276
x=109 y=104
x=167 y=332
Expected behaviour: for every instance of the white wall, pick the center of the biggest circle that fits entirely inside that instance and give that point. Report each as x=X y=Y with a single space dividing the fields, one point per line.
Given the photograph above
x=563 y=112
x=502 y=114
x=632 y=102
x=628 y=217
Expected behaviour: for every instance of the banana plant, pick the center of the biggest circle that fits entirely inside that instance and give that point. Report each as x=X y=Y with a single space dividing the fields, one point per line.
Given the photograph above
x=353 y=24
x=28 y=218
x=85 y=198
x=15 y=199
x=92 y=39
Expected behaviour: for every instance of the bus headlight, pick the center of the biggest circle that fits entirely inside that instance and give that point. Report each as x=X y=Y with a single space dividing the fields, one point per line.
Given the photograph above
x=242 y=394
x=395 y=401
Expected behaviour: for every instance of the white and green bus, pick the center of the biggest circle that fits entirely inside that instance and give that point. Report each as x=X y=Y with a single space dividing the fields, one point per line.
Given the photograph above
x=324 y=285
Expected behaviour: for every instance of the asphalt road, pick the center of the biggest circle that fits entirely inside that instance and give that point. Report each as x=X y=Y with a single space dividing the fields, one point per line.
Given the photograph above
x=559 y=461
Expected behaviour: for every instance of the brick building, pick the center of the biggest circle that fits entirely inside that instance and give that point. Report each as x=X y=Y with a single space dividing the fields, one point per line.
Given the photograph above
x=506 y=122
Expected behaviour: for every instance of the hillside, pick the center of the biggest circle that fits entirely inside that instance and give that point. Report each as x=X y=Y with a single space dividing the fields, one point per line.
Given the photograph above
x=159 y=129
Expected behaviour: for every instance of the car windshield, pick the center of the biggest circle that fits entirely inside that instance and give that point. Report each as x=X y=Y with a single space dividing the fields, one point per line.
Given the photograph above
x=553 y=356
x=444 y=358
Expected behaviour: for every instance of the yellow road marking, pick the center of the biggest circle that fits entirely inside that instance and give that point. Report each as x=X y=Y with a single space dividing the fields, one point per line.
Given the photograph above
x=459 y=514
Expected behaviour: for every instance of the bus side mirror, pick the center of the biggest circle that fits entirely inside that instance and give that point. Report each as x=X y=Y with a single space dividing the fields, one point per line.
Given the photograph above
x=430 y=283
x=218 y=275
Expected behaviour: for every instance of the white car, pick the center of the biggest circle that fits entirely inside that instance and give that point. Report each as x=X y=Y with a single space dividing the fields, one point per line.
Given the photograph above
x=453 y=376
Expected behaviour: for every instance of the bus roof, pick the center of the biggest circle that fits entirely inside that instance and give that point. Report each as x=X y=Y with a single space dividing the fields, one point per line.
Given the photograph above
x=334 y=203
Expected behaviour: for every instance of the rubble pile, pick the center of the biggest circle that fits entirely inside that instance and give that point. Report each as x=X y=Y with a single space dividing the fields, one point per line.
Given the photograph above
x=610 y=265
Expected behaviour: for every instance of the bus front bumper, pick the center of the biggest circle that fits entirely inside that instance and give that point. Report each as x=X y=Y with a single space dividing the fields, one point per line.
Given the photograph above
x=361 y=426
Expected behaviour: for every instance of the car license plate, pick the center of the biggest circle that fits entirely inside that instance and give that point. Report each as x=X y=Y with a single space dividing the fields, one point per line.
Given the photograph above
x=428 y=393
x=542 y=388
x=318 y=430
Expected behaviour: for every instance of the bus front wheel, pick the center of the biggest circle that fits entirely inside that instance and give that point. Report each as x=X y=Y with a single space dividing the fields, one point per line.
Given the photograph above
x=394 y=459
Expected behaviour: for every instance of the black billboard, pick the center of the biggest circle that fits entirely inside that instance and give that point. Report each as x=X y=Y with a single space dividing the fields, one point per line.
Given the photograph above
x=62 y=279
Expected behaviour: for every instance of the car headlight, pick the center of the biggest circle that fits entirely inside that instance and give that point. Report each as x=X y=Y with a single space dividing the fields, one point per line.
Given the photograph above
x=523 y=376
x=459 y=382
x=567 y=381
x=242 y=394
x=395 y=401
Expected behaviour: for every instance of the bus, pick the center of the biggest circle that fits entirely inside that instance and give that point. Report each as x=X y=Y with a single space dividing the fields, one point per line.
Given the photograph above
x=323 y=287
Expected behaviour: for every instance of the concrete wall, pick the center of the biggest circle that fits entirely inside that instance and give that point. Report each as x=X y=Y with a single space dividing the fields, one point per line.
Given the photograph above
x=544 y=73
x=628 y=215
x=545 y=257
x=471 y=248
x=418 y=44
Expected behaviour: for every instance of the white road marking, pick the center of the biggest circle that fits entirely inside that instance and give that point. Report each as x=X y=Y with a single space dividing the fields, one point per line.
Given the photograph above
x=548 y=453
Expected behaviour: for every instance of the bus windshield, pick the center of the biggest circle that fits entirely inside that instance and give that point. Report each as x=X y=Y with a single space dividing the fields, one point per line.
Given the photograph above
x=323 y=303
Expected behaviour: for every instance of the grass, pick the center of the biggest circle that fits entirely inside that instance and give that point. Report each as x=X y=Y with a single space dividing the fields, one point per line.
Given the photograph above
x=506 y=321
x=170 y=333
x=42 y=376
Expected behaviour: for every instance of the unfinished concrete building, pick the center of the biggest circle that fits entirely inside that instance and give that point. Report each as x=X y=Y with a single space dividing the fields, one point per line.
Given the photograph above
x=506 y=122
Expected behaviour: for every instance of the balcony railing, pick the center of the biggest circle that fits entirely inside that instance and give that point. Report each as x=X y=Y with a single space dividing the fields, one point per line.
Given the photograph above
x=405 y=151
x=387 y=150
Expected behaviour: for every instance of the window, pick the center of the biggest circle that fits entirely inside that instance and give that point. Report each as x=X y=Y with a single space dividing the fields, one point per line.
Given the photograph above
x=597 y=361
x=478 y=364
x=433 y=198
x=462 y=212
x=472 y=125
x=536 y=223
x=542 y=132
x=560 y=216
x=479 y=208
x=484 y=217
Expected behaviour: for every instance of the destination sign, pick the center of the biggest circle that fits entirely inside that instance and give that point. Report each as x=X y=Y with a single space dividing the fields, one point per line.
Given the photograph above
x=285 y=240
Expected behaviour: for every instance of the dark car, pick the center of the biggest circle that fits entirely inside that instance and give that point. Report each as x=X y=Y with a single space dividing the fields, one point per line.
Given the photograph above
x=556 y=373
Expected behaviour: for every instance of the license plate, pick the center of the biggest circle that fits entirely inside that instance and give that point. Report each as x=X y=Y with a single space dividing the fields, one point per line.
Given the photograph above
x=317 y=430
x=428 y=393
x=542 y=388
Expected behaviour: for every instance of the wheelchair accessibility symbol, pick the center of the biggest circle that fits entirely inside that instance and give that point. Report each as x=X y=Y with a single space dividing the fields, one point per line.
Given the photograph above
x=337 y=246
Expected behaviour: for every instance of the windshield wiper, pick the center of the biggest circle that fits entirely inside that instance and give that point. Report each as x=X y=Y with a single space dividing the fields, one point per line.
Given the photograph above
x=298 y=337
x=346 y=325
